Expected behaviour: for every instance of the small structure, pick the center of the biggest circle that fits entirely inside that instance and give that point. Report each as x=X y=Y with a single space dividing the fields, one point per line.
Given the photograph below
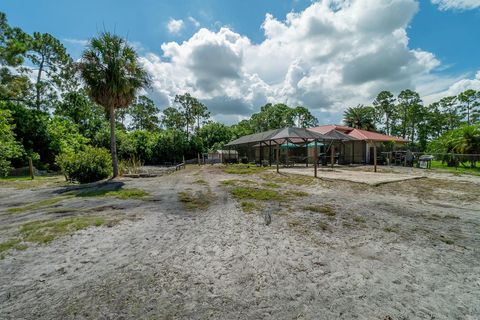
x=268 y=145
x=362 y=148
x=222 y=156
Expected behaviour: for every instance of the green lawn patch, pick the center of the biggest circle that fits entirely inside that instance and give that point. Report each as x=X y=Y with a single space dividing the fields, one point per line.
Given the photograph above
x=438 y=165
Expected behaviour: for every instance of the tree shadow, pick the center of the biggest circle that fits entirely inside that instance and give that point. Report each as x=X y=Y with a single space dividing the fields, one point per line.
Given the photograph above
x=91 y=189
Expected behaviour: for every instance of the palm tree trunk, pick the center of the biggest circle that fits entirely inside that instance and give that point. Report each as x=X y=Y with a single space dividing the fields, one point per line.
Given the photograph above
x=113 y=143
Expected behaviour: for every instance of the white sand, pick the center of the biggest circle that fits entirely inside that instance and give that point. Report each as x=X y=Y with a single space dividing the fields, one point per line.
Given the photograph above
x=225 y=264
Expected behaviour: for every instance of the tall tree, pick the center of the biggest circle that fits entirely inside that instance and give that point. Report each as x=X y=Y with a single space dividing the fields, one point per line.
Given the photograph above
x=54 y=68
x=144 y=115
x=9 y=147
x=469 y=103
x=385 y=109
x=194 y=112
x=113 y=76
x=408 y=104
x=302 y=117
x=360 y=117
x=79 y=108
x=14 y=86
x=449 y=107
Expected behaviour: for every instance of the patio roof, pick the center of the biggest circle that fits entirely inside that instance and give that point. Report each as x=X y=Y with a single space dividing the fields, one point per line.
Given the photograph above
x=281 y=136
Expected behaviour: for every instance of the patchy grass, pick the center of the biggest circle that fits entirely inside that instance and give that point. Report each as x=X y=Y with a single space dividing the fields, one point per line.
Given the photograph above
x=36 y=205
x=249 y=207
x=271 y=185
x=236 y=182
x=390 y=229
x=200 y=181
x=28 y=183
x=195 y=201
x=256 y=193
x=243 y=169
x=359 y=219
x=296 y=194
x=120 y=193
x=325 y=209
x=291 y=179
x=46 y=231
x=11 y=244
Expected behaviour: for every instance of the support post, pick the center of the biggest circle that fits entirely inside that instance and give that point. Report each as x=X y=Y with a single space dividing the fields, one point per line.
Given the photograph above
x=315 y=160
x=270 y=153
x=30 y=168
x=278 y=158
x=332 y=156
x=306 y=146
x=286 y=156
x=374 y=157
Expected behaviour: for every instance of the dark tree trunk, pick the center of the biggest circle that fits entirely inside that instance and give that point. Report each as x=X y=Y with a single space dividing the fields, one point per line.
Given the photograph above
x=37 y=85
x=113 y=143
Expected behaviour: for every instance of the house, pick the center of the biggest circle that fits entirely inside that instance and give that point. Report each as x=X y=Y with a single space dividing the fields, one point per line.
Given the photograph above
x=359 y=150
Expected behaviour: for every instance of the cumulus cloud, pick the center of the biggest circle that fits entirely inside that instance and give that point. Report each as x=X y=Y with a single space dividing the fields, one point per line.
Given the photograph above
x=334 y=54
x=457 y=4
x=175 y=26
x=436 y=88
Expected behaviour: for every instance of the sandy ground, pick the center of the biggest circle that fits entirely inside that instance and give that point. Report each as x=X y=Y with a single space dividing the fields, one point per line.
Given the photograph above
x=381 y=255
x=366 y=177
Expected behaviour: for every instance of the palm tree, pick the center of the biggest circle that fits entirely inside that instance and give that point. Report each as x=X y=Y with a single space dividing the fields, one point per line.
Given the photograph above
x=360 y=117
x=113 y=76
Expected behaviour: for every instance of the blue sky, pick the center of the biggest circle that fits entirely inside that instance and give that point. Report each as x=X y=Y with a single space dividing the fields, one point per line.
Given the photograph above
x=441 y=54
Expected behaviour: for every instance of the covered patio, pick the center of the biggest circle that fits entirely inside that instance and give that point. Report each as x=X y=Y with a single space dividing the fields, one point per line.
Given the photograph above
x=272 y=141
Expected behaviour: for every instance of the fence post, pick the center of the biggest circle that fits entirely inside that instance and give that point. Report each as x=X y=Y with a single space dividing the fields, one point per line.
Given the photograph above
x=30 y=167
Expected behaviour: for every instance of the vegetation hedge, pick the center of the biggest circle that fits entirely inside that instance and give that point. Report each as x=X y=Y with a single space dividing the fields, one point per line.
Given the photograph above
x=90 y=165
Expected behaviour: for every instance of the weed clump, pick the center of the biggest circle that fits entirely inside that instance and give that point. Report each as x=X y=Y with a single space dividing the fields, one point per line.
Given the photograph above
x=325 y=209
x=249 y=207
x=194 y=201
x=256 y=193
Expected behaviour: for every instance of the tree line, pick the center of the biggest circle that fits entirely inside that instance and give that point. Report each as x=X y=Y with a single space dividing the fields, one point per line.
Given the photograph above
x=408 y=117
x=51 y=106
x=57 y=111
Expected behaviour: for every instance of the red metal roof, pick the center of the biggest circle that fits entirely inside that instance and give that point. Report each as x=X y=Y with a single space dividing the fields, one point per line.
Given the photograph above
x=358 y=133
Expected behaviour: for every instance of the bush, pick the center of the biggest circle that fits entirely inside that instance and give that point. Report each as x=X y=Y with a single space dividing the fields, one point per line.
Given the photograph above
x=91 y=164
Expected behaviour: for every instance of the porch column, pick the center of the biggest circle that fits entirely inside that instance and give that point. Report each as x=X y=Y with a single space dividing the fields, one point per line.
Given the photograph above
x=315 y=160
x=332 y=156
x=278 y=158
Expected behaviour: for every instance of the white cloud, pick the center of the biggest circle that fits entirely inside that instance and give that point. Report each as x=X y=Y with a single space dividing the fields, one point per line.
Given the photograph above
x=175 y=26
x=457 y=4
x=194 y=21
x=436 y=88
x=334 y=54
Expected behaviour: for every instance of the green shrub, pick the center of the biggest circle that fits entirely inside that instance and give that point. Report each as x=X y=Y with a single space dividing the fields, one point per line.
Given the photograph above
x=91 y=164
